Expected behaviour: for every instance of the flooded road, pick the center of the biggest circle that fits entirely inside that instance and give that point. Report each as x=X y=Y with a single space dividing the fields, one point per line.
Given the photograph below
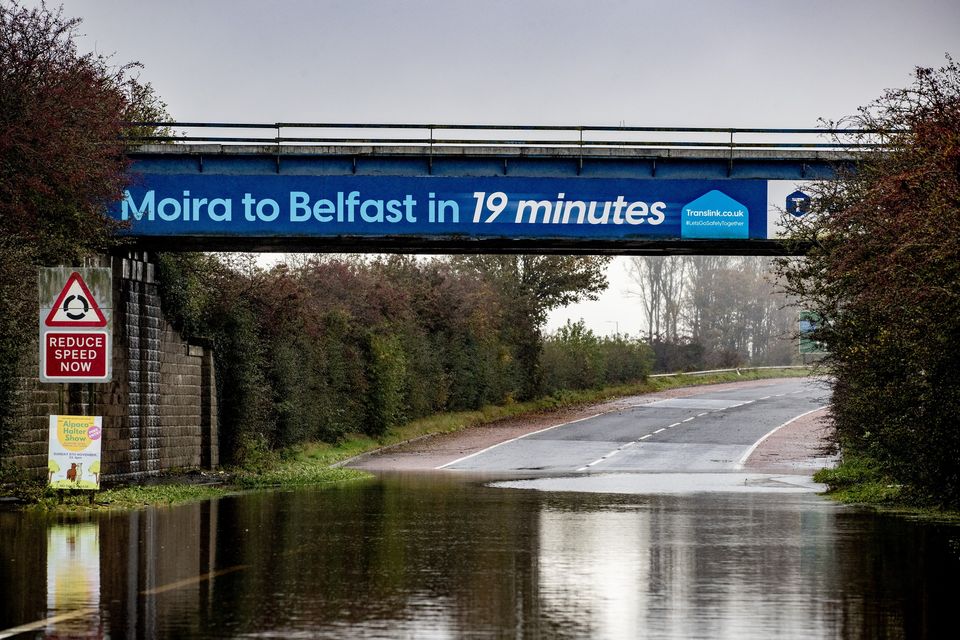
x=441 y=556
x=709 y=431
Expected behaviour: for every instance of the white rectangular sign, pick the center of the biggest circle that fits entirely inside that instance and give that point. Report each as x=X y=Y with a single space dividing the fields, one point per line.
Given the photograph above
x=76 y=308
x=74 y=452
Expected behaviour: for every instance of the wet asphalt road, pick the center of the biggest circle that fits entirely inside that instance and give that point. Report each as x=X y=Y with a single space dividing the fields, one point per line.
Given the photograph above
x=709 y=432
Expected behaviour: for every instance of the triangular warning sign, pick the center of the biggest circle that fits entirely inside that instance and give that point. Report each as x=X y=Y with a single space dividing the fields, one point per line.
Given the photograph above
x=75 y=306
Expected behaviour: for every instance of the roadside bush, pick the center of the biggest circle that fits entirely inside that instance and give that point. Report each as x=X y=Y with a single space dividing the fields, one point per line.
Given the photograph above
x=62 y=117
x=387 y=374
x=883 y=269
x=337 y=346
x=625 y=359
x=575 y=358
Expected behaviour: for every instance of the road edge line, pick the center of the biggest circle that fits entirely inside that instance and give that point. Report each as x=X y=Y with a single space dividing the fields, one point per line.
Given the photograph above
x=532 y=433
x=743 y=459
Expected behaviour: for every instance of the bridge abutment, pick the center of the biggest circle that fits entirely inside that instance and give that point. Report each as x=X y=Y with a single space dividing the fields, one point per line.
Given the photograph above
x=159 y=411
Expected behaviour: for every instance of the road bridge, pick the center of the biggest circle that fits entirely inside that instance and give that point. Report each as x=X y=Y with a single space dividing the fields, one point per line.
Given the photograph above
x=472 y=188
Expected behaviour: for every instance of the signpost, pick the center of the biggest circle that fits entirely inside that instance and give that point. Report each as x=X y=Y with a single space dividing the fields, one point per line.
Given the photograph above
x=75 y=332
x=76 y=306
x=809 y=323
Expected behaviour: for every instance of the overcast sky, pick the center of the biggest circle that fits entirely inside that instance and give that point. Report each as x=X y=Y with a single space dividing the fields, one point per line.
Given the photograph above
x=664 y=63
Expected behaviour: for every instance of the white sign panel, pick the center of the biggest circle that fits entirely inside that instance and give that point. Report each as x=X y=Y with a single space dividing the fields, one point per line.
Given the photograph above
x=75 y=330
x=74 y=452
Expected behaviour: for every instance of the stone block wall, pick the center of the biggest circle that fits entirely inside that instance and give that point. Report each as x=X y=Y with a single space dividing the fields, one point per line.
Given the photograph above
x=159 y=411
x=36 y=402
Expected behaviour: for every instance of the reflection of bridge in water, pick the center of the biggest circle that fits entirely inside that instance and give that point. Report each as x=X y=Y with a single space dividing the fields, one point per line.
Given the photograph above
x=472 y=188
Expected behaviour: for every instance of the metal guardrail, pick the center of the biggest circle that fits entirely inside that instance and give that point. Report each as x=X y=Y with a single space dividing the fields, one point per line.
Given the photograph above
x=738 y=370
x=506 y=136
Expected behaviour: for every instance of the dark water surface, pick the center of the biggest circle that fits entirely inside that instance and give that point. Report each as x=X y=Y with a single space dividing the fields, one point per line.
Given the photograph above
x=431 y=557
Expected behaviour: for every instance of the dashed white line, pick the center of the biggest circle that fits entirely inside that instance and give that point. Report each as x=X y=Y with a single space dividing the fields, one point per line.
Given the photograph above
x=604 y=457
x=661 y=430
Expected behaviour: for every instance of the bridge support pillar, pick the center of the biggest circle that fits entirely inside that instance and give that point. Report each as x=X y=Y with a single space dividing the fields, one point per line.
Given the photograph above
x=159 y=411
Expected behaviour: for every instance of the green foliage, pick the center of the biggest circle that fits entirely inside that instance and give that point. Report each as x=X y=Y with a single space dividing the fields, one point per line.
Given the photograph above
x=292 y=474
x=387 y=374
x=883 y=269
x=62 y=114
x=572 y=359
x=529 y=287
x=336 y=346
x=575 y=358
x=859 y=479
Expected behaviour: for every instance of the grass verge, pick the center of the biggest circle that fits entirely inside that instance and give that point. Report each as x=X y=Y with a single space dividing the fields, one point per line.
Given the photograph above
x=441 y=423
x=859 y=480
x=171 y=492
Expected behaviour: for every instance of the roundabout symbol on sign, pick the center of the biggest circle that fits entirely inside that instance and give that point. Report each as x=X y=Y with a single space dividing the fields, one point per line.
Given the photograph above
x=75 y=306
x=76 y=316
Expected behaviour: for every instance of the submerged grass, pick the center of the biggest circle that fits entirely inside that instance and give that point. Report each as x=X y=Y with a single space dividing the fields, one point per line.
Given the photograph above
x=129 y=497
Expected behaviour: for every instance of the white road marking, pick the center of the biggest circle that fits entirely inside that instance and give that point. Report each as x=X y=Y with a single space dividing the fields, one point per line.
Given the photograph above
x=78 y=613
x=764 y=398
x=40 y=624
x=688 y=419
x=476 y=453
x=186 y=582
x=745 y=456
x=660 y=430
x=700 y=415
x=617 y=450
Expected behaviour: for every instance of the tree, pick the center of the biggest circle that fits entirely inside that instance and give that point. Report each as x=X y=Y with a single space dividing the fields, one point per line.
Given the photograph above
x=660 y=282
x=62 y=118
x=883 y=269
x=533 y=286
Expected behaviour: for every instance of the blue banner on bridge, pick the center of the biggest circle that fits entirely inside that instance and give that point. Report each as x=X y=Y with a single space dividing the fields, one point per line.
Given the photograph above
x=258 y=206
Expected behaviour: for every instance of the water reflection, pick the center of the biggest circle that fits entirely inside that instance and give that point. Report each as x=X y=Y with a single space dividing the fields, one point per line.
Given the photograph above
x=73 y=581
x=416 y=557
x=735 y=569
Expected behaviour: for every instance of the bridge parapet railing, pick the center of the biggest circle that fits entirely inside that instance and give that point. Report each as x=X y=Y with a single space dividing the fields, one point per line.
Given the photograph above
x=584 y=138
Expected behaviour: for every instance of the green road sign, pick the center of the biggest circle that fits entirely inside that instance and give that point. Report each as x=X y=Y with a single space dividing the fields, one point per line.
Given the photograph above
x=810 y=321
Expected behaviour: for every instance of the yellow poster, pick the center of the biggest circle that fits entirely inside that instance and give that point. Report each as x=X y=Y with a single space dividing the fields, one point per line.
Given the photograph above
x=74 y=452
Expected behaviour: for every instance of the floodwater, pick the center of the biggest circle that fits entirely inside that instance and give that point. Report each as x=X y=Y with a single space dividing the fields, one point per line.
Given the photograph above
x=439 y=557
